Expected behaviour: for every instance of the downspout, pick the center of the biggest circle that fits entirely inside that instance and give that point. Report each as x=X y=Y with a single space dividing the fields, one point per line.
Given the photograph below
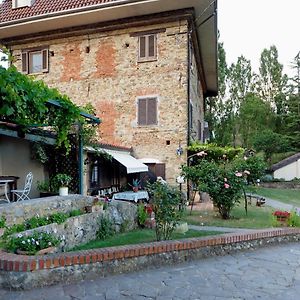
x=80 y=160
x=188 y=97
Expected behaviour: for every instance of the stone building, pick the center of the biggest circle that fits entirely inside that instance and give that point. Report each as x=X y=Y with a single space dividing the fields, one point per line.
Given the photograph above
x=146 y=66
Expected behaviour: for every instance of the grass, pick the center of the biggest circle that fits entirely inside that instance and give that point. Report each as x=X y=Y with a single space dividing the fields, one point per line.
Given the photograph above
x=257 y=217
x=289 y=196
x=137 y=237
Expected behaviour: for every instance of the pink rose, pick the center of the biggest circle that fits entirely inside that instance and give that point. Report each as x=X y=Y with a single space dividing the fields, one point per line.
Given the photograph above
x=238 y=174
x=226 y=185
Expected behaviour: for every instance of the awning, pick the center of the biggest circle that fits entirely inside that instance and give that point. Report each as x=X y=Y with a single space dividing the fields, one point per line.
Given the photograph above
x=132 y=164
x=123 y=157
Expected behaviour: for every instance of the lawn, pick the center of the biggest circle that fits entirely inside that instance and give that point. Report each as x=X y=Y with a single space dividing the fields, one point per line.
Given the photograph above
x=137 y=237
x=257 y=217
x=289 y=196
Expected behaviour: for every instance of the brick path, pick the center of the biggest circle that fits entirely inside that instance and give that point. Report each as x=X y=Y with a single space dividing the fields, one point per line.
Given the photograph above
x=266 y=273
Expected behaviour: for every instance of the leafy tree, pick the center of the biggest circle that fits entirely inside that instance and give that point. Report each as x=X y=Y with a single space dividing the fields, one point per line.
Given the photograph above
x=272 y=82
x=271 y=142
x=255 y=115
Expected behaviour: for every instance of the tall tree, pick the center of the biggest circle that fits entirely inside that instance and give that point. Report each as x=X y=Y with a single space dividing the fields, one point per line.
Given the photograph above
x=296 y=78
x=272 y=82
x=255 y=116
x=214 y=110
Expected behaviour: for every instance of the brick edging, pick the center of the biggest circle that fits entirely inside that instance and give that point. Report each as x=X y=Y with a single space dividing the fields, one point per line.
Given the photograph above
x=22 y=263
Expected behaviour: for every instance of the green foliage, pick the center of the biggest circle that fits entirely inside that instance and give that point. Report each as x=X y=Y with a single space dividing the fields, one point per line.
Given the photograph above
x=43 y=186
x=165 y=201
x=75 y=213
x=293 y=220
x=142 y=214
x=61 y=180
x=214 y=152
x=271 y=142
x=222 y=182
x=2 y=221
x=23 y=101
x=255 y=165
x=31 y=243
x=58 y=218
x=13 y=229
x=106 y=229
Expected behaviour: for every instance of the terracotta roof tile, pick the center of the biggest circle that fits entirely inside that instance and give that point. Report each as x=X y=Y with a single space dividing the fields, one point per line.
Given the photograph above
x=41 y=7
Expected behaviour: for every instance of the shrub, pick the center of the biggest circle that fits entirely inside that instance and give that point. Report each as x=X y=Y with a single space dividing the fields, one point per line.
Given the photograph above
x=2 y=221
x=223 y=183
x=31 y=243
x=165 y=202
x=75 y=212
x=293 y=220
x=106 y=229
x=142 y=214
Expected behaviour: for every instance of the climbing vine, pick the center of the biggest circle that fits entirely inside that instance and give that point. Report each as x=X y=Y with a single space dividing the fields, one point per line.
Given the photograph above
x=24 y=102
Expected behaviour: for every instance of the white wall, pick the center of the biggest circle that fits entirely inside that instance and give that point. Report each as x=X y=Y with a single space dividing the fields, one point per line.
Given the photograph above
x=288 y=172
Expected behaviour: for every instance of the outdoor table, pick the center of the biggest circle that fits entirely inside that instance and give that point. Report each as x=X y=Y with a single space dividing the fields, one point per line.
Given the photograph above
x=11 y=182
x=132 y=196
x=4 y=183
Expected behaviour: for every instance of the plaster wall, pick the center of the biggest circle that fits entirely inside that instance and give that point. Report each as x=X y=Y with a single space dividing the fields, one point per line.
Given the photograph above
x=16 y=161
x=288 y=172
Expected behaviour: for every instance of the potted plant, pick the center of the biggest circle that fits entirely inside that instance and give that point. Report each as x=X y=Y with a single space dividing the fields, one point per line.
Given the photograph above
x=45 y=189
x=62 y=181
x=136 y=185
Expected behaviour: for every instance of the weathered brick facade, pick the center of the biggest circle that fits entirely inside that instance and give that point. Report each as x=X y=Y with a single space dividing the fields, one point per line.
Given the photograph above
x=102 y=68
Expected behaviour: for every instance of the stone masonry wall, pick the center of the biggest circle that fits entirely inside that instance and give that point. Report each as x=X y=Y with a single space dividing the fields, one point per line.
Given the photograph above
x=102 y=68
x=17 y=212
x=82 y=229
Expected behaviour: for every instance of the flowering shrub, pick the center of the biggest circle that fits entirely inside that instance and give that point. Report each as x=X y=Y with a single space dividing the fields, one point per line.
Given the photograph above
x=165 y=203
x=281 y=214
x=31 y=243
x=223 y=183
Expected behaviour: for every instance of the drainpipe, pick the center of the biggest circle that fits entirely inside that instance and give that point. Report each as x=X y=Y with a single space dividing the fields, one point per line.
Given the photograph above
x=80 y=160
x=188 y=96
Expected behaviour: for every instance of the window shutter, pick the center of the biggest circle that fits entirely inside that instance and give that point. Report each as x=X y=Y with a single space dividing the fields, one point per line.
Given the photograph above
x=142 y=112
x=160 y=170
x=142 y=42
x=151 y=45
x=25 y=62
x=45 y=60
x=152 y=111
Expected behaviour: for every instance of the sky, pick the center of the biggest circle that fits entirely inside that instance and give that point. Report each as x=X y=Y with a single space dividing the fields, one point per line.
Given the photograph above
x=249 y=26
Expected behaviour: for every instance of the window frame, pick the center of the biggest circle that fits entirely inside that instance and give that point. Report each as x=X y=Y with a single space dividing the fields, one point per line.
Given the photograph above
x=147 y=124
x=26 y=60
x=147 y=57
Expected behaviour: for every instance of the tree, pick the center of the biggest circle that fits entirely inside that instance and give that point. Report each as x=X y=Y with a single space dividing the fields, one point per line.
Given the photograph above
x=296 y=78
x=272 y=82
x=255 y=116
x=271 y=142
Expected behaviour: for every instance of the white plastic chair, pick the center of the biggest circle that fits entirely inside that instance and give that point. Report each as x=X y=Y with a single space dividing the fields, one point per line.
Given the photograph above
x=23 y=194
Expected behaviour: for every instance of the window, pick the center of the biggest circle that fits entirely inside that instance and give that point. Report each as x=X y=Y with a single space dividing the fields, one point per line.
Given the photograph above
x=35 y=61
x=147 y=111
x=147 y=47
x=22 y=3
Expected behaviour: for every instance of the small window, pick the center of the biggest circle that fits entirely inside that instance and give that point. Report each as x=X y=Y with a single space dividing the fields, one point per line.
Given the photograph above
x=35 y=61
x=147 y=111
x=147 y=47
x=22 y=3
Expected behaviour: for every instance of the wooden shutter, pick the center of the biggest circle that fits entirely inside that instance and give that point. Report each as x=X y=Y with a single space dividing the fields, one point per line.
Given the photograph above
x=25 y=62
x=142 y=112
x=151 y=46
x=160 y=170
x=45 y=60
x=142 y=47
x=152 y=111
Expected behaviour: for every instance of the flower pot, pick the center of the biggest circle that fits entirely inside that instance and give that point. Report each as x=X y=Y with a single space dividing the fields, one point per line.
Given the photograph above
x=47 y=251
x=63 y=191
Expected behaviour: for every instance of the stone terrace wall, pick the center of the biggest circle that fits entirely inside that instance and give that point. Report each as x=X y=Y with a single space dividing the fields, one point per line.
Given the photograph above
x=26 y=272
x=17 y=212
x=82 y=229
x=281 y=185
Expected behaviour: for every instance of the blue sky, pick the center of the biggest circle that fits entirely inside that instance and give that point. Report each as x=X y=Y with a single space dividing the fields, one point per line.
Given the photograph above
x=248 y=26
